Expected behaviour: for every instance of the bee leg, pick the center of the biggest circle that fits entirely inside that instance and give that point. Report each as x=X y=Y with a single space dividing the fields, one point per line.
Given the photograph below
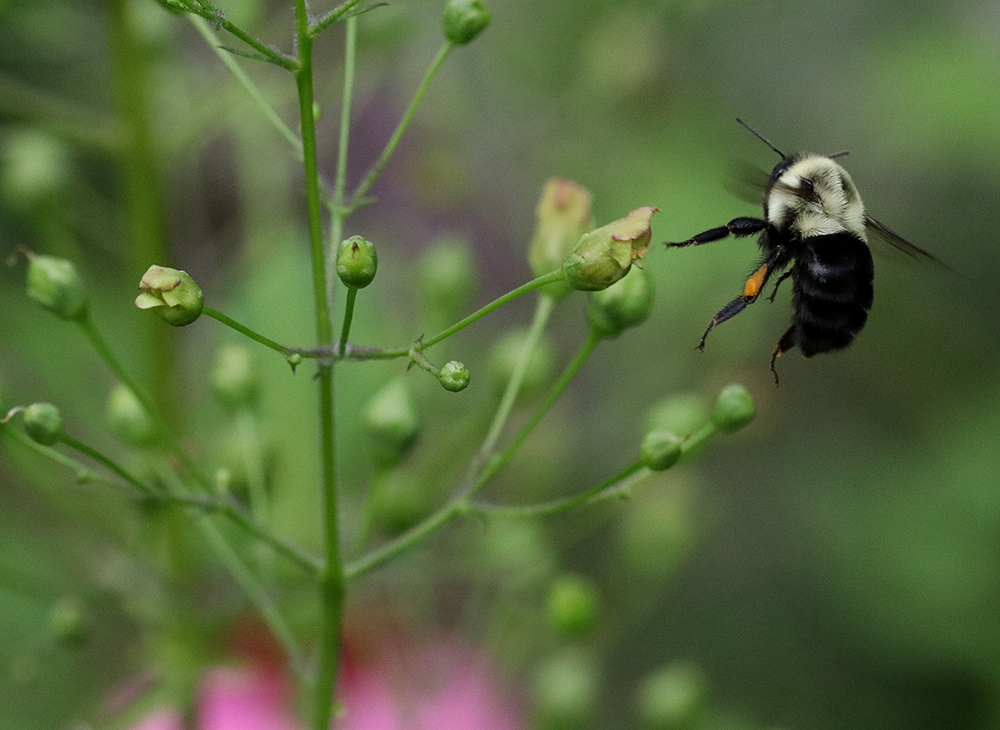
x=774 y=292
x=730 y=310
x=786 y=343
x=738 y=227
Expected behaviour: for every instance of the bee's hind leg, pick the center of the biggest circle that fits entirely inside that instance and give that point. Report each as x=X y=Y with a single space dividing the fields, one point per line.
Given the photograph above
x=786 y=343
x=727 y=312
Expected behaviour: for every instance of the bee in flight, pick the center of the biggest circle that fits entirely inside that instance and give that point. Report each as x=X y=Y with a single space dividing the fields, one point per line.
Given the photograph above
x=814 y=220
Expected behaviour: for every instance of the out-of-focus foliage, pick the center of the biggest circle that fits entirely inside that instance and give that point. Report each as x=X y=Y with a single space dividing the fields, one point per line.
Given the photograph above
x=835 y=565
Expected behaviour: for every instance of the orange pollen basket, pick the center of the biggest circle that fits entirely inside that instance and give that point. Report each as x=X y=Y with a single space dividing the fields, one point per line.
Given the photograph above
x=755 y=282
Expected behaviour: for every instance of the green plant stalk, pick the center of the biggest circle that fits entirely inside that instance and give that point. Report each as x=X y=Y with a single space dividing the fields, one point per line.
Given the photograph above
x=244 y=330
x=510 y=296
x=211 y=14
x=332 y=17
x=461 y=504
x=245 y=578
x=239 y=74
x=383 y=159
x=147 y=218
x=287 y=549
x=628 y=475
x=557 y=389
x=331 y=583
x=352 y=295
x=109 y=464
x=543 y=311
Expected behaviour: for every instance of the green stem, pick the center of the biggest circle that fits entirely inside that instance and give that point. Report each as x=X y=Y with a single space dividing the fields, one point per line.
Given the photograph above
x=212 y=15
x=332 y=17
x=633 y=472
x=109 y=464
x=380 y=164
x=331 y=584
x=543 y=311
x=453 y=509
x=462 y=503
x=352 y=295
x=144 y=207
x=244 y=330
x=567 y=375
x=239 y=74
x=510 y=296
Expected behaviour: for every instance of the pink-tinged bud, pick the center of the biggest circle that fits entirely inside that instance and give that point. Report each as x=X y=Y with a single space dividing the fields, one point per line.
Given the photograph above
x=605 y=255
x=173 y=295
x=563 y=216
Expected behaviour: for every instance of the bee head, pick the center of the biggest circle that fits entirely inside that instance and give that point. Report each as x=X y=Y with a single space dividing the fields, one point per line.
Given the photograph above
x=812 y=195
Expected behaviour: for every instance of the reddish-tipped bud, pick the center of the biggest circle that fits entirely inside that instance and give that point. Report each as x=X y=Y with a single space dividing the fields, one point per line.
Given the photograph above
x=605 y=255
x=563 y=215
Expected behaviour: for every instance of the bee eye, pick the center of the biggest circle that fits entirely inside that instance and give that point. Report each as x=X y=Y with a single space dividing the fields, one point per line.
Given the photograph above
x=808 y=188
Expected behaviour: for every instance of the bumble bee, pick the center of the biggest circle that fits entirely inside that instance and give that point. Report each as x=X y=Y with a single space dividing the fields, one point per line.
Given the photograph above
x=814 y=220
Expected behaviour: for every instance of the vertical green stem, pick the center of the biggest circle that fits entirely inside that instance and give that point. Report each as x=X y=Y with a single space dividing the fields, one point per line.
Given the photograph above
x=146 y=217
x=331 y=586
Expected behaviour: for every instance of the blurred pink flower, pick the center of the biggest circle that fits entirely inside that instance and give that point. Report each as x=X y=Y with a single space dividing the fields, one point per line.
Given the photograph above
x=442 y=687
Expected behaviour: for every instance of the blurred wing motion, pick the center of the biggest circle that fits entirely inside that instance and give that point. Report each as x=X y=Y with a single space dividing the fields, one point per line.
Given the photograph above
x=899 y=243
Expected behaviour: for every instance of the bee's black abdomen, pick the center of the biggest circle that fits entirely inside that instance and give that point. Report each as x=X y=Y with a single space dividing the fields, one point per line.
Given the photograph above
x=832 y=291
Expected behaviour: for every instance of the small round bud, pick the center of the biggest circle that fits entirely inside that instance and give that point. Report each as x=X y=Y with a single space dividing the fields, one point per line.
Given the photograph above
x=356 y=262
x=67 y=622
x=447 y=277
x=605 y=255
x=563 y=216
x=128 y=418
x=624 y=304
x=56 y=285
x=454 y=376
x=390 y=419
x=43 y=423
x=734 y=408
x=398 y=501
x=572 y=606
x=660 y=450
x=566 y=690
x=464 y=20
x=672 y=698
x=172 y=294
x=233 y=378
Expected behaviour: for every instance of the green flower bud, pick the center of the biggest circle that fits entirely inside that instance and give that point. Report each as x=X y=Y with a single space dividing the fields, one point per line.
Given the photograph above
x=36 y=166
x=506 y=352
x=464 y=20
x=454 y=376
x=672 y=698
x=605 y=255
x=172 y=294
x=390 y=420
x=660 y=450
x=128 y=418
x=566 y=690
x=683 y=414
x=43 y=423
x=56 y=285
x=563 y=215
x=572 y=606
x=356 y=262
x=233 y=378
x=447 y=277
x=67 y=622
x=734 y=408
x=624 y=304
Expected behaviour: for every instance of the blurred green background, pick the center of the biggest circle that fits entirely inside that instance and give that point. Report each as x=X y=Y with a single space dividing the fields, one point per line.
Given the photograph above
x=835 y=565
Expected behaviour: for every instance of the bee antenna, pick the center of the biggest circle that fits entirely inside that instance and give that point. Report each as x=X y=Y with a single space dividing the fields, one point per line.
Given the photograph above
x=842 y=153
x=761 y=137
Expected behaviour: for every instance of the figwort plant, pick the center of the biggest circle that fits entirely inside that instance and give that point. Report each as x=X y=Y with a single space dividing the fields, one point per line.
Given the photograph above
x=567 y=255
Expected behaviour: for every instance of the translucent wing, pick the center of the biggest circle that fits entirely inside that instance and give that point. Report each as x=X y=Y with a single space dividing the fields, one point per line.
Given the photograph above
x=901 y=244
